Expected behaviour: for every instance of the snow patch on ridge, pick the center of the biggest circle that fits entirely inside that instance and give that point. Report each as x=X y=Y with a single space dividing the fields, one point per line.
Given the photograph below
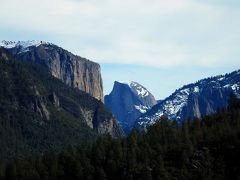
x=142 y=109
x=172 y=106
x=141 y=91
x=221 y=78
x=235 y=87
x=196 y=89
x=125 y=82
x=22 y=45
x=134 y=86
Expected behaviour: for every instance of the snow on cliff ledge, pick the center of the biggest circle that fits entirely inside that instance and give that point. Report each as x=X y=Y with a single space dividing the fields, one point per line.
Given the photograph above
x=21 y=44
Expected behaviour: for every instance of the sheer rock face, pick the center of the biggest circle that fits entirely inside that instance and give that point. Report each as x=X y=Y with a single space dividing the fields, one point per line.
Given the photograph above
x=76 y=72
x=128 y=101
x=111 y=127
x=46 y=100
x=73 y=70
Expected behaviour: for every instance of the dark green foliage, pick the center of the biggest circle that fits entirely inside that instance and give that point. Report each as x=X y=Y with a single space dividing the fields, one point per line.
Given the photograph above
x=233 y=101
x=207 y=149
x=32 y=121
x=198 y=149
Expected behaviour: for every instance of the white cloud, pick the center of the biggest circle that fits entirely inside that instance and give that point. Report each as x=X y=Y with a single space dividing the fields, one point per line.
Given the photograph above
x=157 y=33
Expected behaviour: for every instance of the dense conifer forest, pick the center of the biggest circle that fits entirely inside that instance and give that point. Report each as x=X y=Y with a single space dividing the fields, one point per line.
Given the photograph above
x=40 y=113
x=197 y=149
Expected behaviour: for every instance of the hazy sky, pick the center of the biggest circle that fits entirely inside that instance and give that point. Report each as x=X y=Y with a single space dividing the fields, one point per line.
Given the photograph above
x=162 y=44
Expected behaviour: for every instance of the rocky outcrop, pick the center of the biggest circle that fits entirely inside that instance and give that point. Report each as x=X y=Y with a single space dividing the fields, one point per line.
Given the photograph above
x=54 y=100
x=93 y=113
x=106 y=125
x=194 y=100
x=43 y=95
x=40 y=108
x=128 y=101
x=73 y=70
x=39 y=113
x=111 y=127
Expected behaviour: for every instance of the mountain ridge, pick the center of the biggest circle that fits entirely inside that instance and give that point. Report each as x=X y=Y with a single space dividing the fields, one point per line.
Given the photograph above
x=73 y=70
x=195 y=99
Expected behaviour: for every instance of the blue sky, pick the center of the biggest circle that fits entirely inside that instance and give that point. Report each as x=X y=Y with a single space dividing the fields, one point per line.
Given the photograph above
x=160 y=82
x=161 y=44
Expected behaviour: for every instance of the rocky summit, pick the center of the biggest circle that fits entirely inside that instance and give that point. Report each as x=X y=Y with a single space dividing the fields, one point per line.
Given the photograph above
x=128 y=101
x=73 y=70
x=194 y=100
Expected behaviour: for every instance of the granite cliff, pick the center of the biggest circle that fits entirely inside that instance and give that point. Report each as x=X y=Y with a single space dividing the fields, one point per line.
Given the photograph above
x=38 y=112
x=128 y=101
x=73 y=70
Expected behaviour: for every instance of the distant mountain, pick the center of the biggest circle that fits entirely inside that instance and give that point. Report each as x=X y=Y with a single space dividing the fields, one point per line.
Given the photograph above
x=128 y=101
x=159 y=101
x=194 y=100
x=40 y=113
x=73 y=70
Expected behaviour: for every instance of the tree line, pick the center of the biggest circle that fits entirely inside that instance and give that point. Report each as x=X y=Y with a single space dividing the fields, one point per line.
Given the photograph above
x=197 y=149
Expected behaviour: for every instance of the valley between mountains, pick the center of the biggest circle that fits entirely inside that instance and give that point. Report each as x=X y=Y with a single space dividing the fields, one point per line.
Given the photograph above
x=56 y=123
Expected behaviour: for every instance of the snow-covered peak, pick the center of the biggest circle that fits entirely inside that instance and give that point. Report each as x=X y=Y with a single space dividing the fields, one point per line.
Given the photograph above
x=141 y=91
x=21 y=44
x=192 y=100
x=125 y=82
x=136 y=87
